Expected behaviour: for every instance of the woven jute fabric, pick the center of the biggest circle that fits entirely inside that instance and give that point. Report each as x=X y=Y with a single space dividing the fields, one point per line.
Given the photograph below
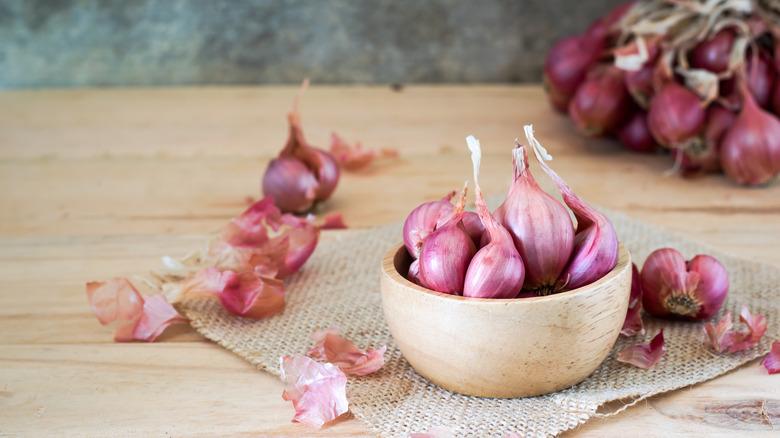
x=339 y=286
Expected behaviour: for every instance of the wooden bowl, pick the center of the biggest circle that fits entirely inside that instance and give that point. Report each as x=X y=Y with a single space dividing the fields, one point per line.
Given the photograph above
x=504 y=348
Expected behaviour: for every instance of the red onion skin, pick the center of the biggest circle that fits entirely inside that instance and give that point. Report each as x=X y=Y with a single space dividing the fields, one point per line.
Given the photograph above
x=565 y=68
x=445 y=256
x=601 y=103
x=636 y=136
x=291 y=184
x=713 y=53
x=676 y=115
x=701 y=285
x=424 y=220
x=750 y=148
x=540 y=226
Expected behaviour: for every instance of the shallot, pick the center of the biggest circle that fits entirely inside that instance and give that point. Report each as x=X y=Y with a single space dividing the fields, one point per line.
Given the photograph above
x=424 y=220
x=676 y=115
x=446 y=253
x=635 y=134
x=540 y=226
x=703 y=156
x=302 y=174
x=496 y=270
x=601 y=103
x=596 y=247
x=694 y=290
x=750 y=148
x=566 y=66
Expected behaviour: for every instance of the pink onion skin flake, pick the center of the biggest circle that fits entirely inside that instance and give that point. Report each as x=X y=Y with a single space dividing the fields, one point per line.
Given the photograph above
x=244 y=294
x=145 y=317
x=317 y=390
x=644 y=356
x=772 y=361
x=333 y=348
x=262 y=237
x=723 y=339
x=356 y=158
x=633 y=324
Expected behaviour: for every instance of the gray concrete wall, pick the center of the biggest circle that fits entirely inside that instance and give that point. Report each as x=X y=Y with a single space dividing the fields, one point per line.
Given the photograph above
x=75 y=43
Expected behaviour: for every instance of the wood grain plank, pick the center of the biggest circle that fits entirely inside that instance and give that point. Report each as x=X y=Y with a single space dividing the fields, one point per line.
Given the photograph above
x=101 y=183
x=160 y=389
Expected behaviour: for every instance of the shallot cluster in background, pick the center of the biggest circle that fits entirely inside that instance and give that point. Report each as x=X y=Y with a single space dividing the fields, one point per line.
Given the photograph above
x=695 y=78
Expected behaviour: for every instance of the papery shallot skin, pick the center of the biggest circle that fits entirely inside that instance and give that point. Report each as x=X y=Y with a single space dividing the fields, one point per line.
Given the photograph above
x=633 y=324
x=244 y=294
x=723 y=338
x=317 y=390
x=540 y=226
x=333 y=348
x=145 y=317
x=694 y=290
x=772 y=361
x=644 y=356
x=246 y=245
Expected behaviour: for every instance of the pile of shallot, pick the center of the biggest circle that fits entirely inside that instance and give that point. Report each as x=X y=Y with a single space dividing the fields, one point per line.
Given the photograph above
x=694 y=77
x=527 y=247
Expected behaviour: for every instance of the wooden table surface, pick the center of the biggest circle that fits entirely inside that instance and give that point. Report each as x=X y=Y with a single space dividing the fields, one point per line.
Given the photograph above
x=101 y=183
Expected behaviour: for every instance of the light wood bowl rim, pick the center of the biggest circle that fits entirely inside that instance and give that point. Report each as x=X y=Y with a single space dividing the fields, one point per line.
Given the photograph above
x=389 y=269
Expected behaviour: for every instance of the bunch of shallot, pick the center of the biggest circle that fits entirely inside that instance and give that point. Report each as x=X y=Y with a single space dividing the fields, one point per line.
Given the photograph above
x=527 y=247
x=695 y=77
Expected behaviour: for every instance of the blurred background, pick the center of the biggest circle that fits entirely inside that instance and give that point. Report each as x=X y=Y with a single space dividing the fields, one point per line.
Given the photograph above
x=117 y=43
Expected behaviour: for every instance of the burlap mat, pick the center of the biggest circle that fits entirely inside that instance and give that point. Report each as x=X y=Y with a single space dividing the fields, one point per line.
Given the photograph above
x=339 y=286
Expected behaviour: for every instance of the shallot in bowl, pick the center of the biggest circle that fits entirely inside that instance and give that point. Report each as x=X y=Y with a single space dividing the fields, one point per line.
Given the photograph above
x=506 y=348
